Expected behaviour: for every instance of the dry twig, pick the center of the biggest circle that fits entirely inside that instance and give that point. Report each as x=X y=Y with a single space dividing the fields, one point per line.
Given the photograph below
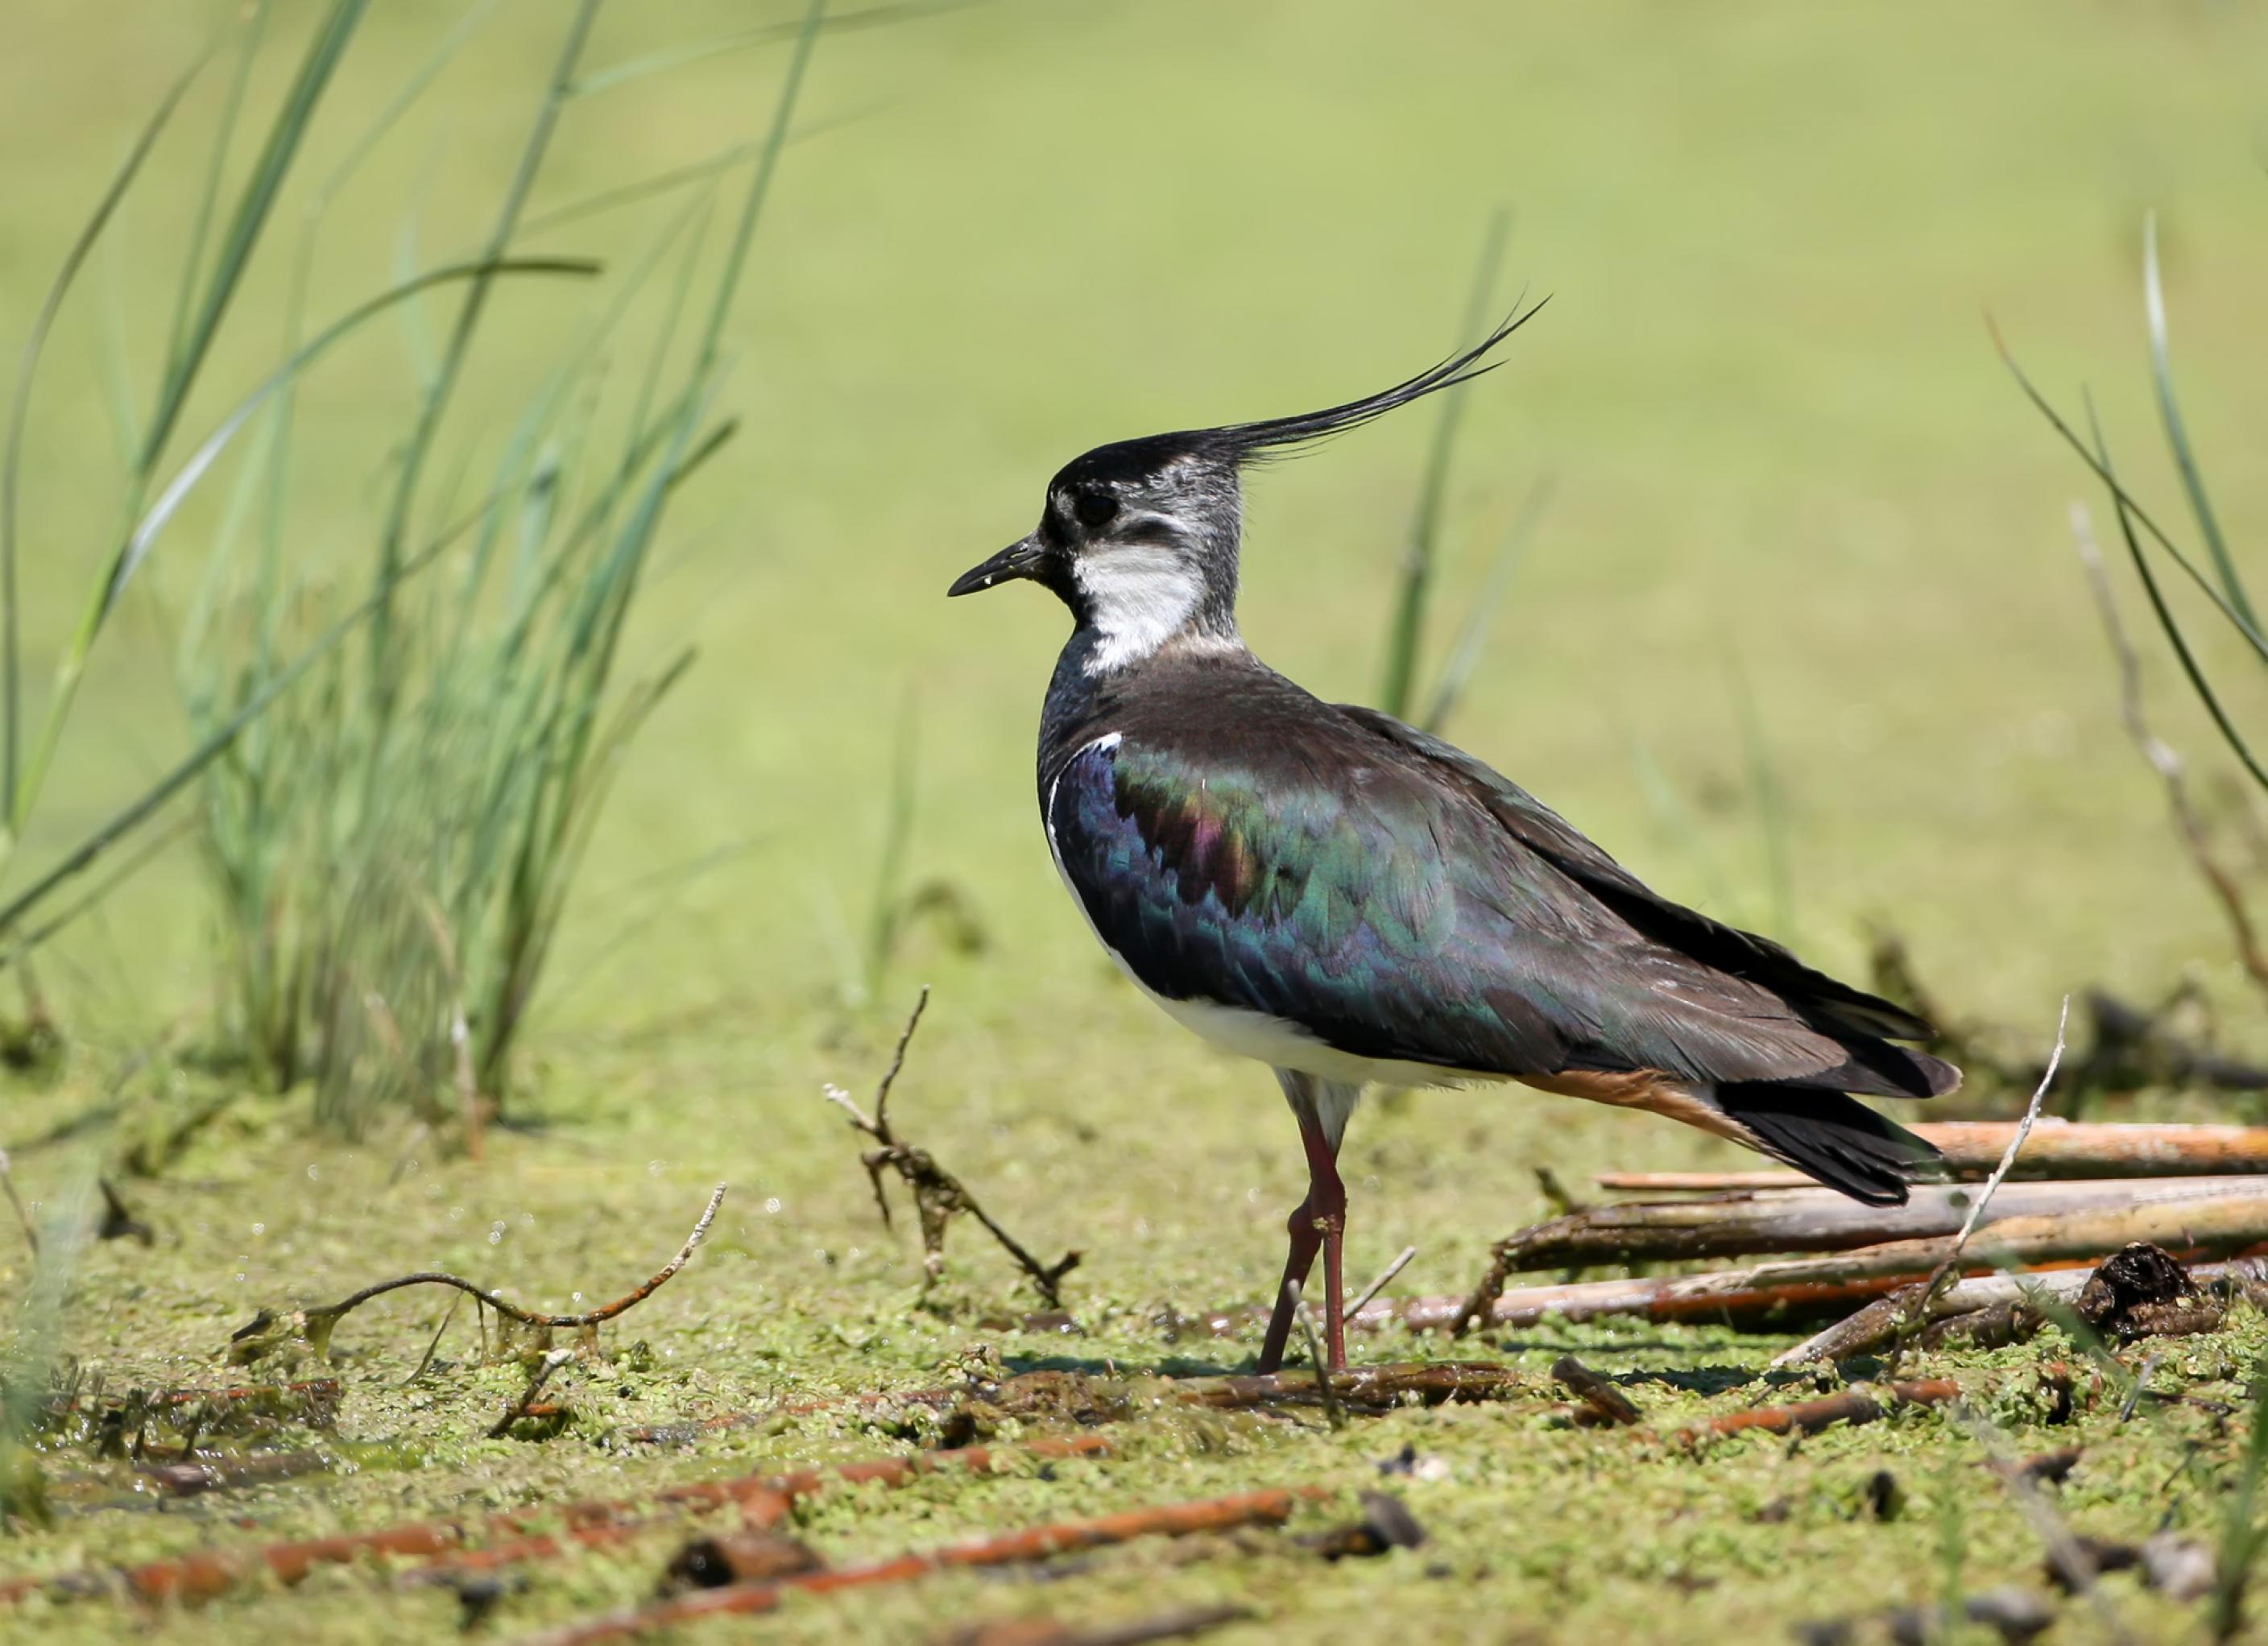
x=1812 y=1219
x=262 y=1333
x=202 y=1574
x=1305 y=1317
x=1604 y=1402
x=1039 y=1543
x=1944 y=1271
x=938 y=1194
x=551 y=1362
x=2058 y=1148
x=1163 y=1627
x=2196 y=839
x=1859 y=1405
x=1385 y=1278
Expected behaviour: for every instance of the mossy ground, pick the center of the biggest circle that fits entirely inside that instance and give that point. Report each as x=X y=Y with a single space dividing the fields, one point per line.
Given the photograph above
x=1535 y=1530
x=1777 y=433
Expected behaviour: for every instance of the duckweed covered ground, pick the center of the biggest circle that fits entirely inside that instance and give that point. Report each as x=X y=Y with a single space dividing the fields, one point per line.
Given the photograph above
x=1535 y=1530
x=1777 y=434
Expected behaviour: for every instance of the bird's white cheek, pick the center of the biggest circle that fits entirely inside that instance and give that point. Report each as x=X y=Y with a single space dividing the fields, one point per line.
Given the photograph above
x=1140 y=599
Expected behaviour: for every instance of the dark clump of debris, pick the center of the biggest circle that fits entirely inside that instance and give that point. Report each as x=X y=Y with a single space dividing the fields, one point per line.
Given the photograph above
x=2017 y=1616
x=1044 y=1396
x=1386 y=1524
x=745 y=1556
x=2142 y=1290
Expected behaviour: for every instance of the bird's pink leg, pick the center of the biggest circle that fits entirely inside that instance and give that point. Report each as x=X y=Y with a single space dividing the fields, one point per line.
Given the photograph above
x=1320 y=1223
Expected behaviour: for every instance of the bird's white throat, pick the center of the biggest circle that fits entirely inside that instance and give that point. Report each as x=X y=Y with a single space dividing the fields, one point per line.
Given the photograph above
x=1138 y=597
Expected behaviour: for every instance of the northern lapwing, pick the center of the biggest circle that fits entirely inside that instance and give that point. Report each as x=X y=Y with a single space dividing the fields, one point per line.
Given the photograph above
x=1353 y=901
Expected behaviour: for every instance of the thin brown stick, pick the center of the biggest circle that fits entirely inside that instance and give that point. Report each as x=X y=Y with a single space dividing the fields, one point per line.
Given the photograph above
x=204 y=1573
x=330 y=1314
x=434 y=1346
x=938 y=1194
x=1873 y=1326
x=1377 y=1388
x=1165 y=1626
x=552 y=1360
x=1305 y=1317
x=1385 y=1278
x=1371 y=1388
x=1943 y=1273
x=1604 y=1402
x=1699 y=1182
x=2058 y=1148
x=461 y=1037
x=2162 y=759
x=1741 y=1296
x=193 y=1477
x=1038 y=1543
x=1816 y=1219
x=1860 y=1405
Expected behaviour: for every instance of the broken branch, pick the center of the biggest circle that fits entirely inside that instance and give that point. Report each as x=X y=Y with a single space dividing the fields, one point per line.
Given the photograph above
x=1813 y=1220
x=315 y=1325
x=2058 y=1148
x=1943 y=1272
x=1860 y=1404
x=1038 y=1543
x=938 y=1194
x=2163 y=760
x=204 y=1573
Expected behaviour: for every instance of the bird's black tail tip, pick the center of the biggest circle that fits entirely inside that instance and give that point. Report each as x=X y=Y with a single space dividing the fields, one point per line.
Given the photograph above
x=1833 y=1138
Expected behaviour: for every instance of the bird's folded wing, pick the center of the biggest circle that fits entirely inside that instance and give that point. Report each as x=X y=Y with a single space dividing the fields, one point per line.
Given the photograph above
x=1726 y=947
x=1325 y=875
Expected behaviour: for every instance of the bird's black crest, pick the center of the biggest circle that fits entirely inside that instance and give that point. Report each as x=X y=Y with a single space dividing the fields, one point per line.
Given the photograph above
x=1252 y=440
x=1238 y=444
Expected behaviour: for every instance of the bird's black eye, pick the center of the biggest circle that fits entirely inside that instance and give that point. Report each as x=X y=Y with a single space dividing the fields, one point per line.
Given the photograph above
x=1094 y=508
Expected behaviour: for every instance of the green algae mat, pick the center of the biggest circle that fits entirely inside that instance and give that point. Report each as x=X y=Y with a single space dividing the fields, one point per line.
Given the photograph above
x=1800 y=637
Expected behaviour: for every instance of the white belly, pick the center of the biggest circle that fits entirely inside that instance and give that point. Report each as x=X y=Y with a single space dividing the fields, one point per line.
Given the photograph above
x=1282 y=1044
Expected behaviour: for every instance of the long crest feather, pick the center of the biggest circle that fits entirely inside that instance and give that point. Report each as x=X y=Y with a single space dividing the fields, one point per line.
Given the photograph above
x=1254 y=442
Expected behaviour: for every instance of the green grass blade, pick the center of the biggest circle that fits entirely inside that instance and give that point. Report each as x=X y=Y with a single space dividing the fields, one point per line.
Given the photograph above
x=2172 y=628
x=118 y=349
x=2128 y=503
x=2169 y=412
x=140 y=858
x=645 y=188
x=886 y=906
x=1676 y=819
x=764 y=34
x=2240 y=1538
x=1405 y=632
x=752 y=206
x=1769 y=799
x=284 y=136
x=12 y=464
x=215 y=166
x=724 y=160
x=152 y=799
x=385 y=665
x=1472 y=638
x=398 y=104
x=137 y=545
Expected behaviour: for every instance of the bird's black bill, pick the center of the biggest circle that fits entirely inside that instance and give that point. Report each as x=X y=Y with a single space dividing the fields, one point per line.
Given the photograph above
x=1018 y=560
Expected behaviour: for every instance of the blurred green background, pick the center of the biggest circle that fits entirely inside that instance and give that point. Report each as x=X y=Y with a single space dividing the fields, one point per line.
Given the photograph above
x=1763 y=390
x=1781 y=451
